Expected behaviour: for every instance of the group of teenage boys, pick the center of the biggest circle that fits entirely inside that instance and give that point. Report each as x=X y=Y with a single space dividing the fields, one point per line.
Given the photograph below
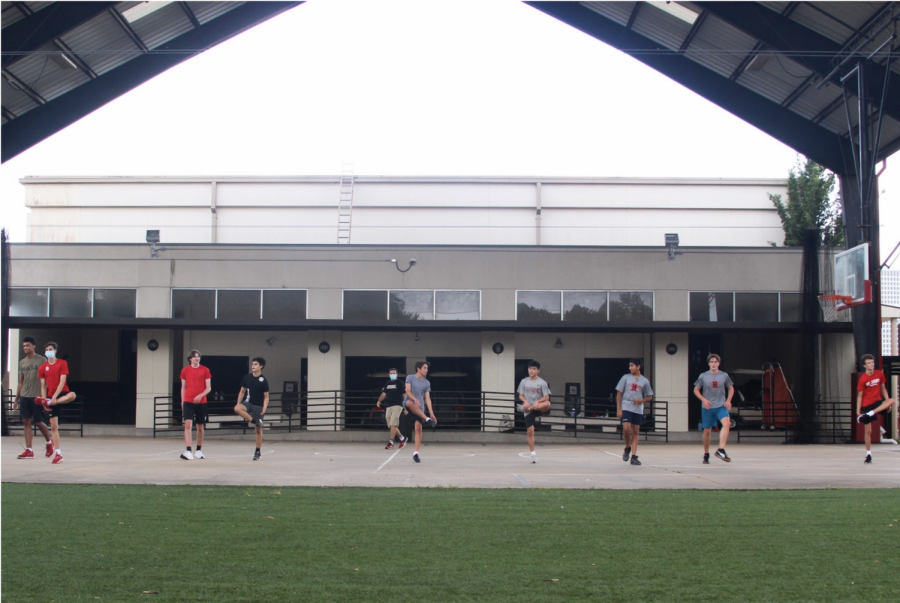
x=43 y=388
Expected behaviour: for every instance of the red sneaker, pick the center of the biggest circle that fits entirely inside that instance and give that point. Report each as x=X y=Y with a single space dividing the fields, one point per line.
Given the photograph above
x=45 y=402
x=49 y=451
x=390 y=446
x=57 y=459
x=28 y=454
x=403 y=442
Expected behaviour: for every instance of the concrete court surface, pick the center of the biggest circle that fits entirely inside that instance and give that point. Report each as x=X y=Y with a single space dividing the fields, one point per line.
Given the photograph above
x=140 y=460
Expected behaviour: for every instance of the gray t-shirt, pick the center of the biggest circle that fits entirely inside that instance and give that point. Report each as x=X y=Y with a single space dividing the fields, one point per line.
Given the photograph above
x=714 y=387
x=31 y=384
x=633 y=388
x=417 y=388
x=533 y=390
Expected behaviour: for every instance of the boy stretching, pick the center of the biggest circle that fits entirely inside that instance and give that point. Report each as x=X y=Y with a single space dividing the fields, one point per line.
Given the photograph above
x=871 y=398
x=54 y=374
x=418 y=396
x=253 y=400
x=534 y=394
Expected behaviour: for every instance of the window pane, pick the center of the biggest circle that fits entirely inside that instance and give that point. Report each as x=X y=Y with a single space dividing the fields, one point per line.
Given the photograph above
x=115 y=303
x=238 y=305
x=457 y=305
x=790 y=307
x=365 y=305
x=70 y=303
x=538 y=305
x=28 y=302
x=631 y=305
x=756 y=307
x=194 y=303
x=412 y=305
x=712 y=307
x=279 y=305
x=585 y=305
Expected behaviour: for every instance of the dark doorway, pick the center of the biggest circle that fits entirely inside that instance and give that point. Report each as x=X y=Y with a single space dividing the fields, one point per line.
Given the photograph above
x=364 y=376
x=699 y=347
x=601 y=375
x=111 y=402
x=456 y=390
x=227 y=373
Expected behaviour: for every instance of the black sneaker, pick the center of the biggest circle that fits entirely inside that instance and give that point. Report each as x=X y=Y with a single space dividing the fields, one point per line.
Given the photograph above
x=723 y=455
x=627 y=453
x=868 y=460
x=706 y=459
x=256 y=455
x=416 y=457
x=866 y=418
x=635 y=461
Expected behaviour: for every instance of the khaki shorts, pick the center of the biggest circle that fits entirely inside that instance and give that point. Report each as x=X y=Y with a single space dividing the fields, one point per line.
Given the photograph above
x=392 y=415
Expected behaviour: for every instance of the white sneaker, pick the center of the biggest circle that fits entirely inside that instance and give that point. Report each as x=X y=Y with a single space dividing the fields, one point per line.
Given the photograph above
x=199 y=455
x=520 y=408
x=187 y=455
x=534 y=457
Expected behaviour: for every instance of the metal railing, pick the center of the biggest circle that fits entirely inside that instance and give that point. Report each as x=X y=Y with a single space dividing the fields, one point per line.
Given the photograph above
x=826 y=422
x=71 y=415
x=455 y=411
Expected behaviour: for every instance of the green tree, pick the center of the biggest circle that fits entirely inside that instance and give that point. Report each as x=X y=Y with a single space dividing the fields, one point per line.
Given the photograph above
x=809 y=206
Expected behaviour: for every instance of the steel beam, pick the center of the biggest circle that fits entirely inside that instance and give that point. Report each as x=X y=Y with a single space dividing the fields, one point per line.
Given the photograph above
x=816 y=142
x=44 y=121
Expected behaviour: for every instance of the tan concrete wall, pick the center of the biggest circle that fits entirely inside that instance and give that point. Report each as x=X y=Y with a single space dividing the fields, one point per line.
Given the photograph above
x=154 y=375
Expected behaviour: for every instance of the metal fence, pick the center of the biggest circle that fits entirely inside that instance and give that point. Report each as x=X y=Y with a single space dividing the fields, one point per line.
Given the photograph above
x=827 y=422
x=71 y=417
x=455 y=411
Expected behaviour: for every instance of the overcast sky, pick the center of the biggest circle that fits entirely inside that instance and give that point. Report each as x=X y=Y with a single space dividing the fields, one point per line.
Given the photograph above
x=469 y=87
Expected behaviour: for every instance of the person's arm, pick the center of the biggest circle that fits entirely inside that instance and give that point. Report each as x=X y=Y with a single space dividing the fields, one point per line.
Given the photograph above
x=19 y=390
x=700 y=395
x=265 y=402
x=858 y=401
x=183 y=391
x=619 y=404
x=208 y=389
x=428 y=403
x=730 y=389
x=380 y=398
x=59 y=388
x=241 y=394
x=44 y=389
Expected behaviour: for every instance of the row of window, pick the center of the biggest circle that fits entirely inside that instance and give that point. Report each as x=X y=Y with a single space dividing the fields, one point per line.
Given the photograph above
x=288 y=304
x=728 y=306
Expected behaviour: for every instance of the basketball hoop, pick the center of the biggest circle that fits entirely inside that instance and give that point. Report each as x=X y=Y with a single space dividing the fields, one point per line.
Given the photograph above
x=830 y=305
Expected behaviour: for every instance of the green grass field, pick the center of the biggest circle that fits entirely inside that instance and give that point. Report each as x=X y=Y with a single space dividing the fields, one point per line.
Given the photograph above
x=190 y=543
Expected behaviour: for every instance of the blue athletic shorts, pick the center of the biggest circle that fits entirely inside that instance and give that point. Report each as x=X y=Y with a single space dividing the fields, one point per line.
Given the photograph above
x=713 y=417
x=635 y=418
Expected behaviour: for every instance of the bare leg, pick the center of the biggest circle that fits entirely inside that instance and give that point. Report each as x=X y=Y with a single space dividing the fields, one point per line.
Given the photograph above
x=44 y=431
x=241 y=410
x=259 y=437
x=54 y=426
x=188 y=426
x=395 y=433
x=418 y=435
x=201 y=429
x=635 y=437
x=26 y=424
x=868 y=431
x=723 y=432
x=626 y=432
x=706 y=437
x=530 y=433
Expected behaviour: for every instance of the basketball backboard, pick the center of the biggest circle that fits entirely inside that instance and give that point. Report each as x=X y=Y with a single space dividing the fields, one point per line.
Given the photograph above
x=851 y=276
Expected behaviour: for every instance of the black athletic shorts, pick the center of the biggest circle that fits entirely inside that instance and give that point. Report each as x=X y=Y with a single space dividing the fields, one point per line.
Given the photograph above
x=253 y=410
x=866 y=409
x=29 y=410
x=195 y=412
x=531 y=417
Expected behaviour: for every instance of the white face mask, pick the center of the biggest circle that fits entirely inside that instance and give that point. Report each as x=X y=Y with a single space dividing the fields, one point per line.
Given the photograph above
x=50 y=354
x=393 y=377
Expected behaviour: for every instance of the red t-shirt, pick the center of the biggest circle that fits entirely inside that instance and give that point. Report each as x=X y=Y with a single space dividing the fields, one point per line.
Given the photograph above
x=870 y=386
x=194 y=382
x=51 y=374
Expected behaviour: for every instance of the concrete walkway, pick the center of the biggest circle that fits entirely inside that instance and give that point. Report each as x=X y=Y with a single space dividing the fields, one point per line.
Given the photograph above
x=116 y=460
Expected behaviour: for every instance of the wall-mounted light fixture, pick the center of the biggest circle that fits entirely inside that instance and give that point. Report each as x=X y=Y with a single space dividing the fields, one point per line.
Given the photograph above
x=672 y=244
x=153 y=239
x=271 y=341
x=558 y=345
x=412 y=262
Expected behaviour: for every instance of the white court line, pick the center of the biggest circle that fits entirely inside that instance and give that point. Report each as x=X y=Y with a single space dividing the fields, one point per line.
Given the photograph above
x=390 y=458
x=612 y=454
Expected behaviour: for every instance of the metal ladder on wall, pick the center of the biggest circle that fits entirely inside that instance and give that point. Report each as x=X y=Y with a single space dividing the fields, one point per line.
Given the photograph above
x=345 y=203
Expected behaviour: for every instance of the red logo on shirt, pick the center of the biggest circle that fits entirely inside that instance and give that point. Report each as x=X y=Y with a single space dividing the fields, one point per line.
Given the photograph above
x=714 y=384
x=634 y=387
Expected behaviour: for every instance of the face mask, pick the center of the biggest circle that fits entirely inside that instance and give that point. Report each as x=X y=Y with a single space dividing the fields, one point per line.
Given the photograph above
x=393 y=377
x=50 y=354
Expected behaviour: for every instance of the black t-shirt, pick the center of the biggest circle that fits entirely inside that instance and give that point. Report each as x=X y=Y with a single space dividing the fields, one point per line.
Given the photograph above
x=394 y=389
x=255 y=388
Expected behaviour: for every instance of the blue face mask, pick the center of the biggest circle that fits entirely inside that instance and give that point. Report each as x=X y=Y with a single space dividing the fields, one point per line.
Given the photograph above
x=50 y=354
x=393 y=377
